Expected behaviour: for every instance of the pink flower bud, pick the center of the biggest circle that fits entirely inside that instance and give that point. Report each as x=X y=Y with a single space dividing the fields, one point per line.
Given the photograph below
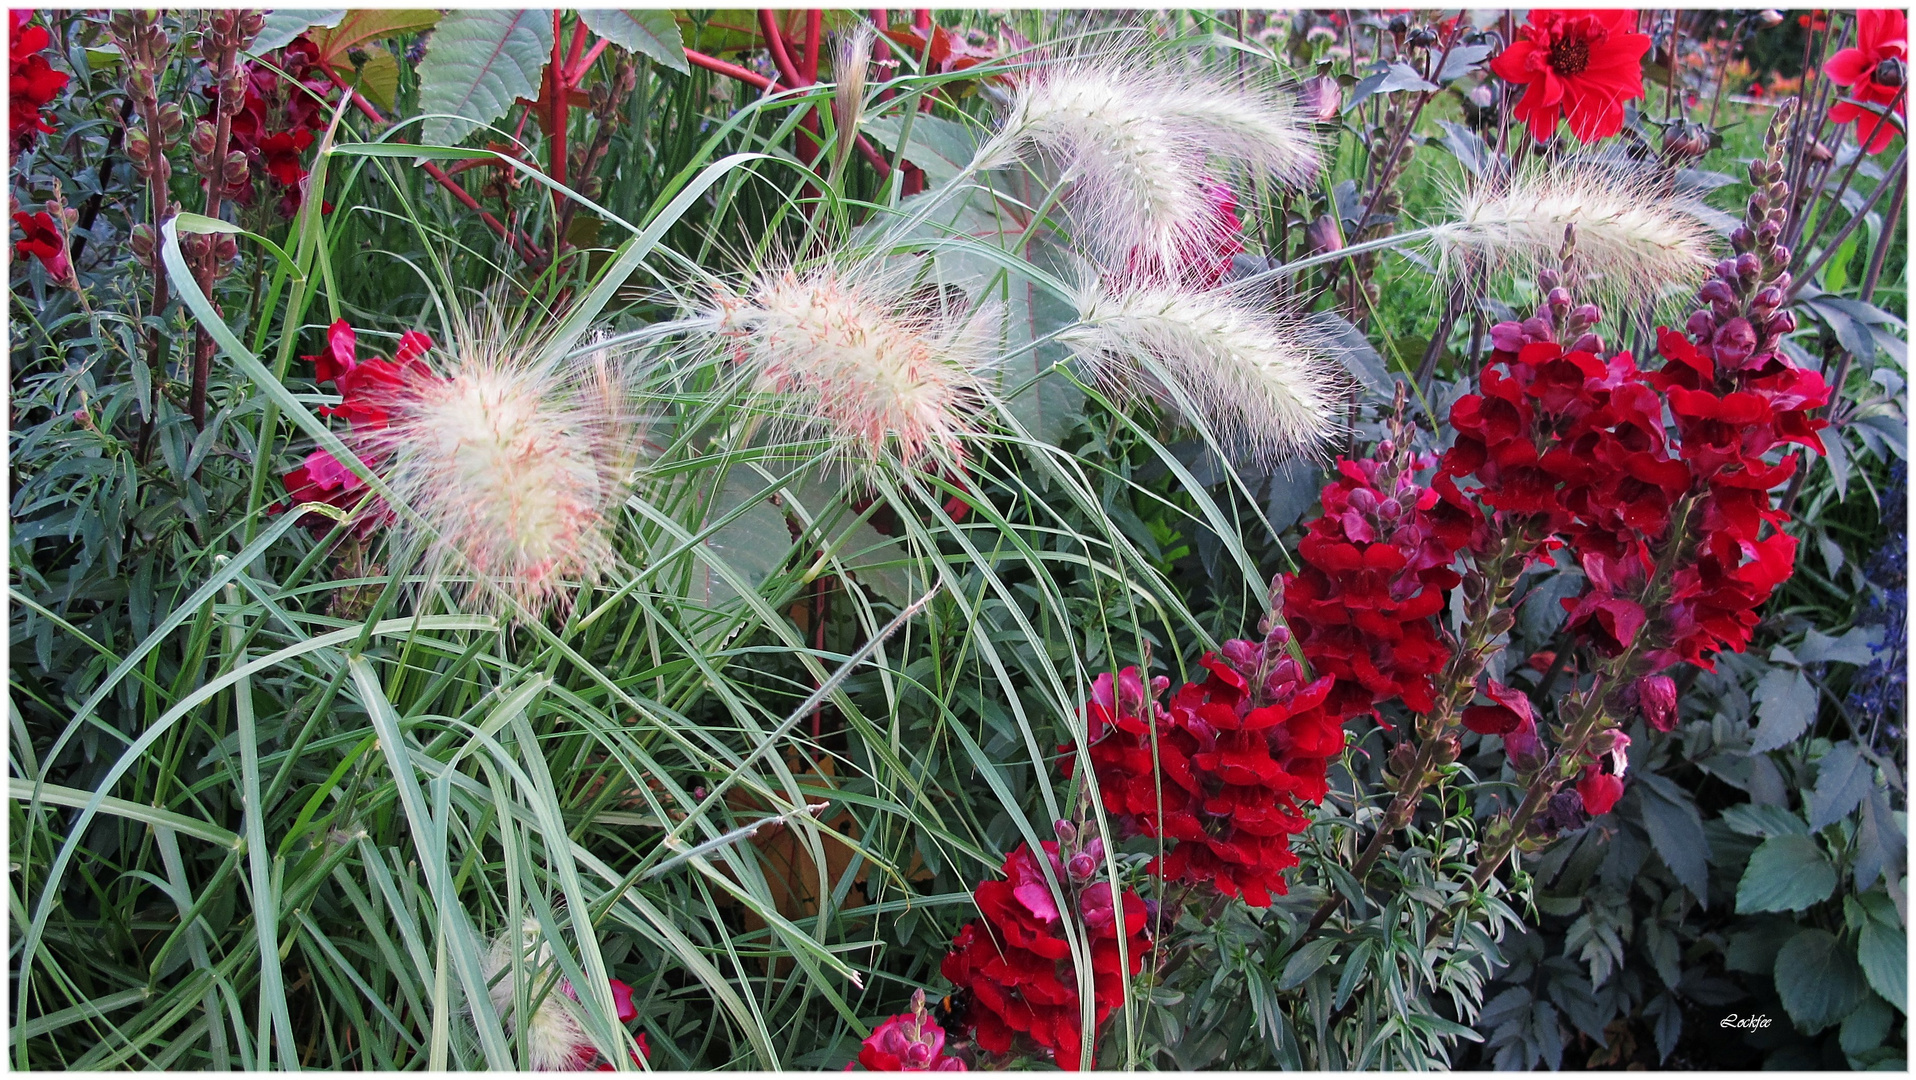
x=1735 y=341
x=1701 y=325
x=1783 y=322
x=1657 y=700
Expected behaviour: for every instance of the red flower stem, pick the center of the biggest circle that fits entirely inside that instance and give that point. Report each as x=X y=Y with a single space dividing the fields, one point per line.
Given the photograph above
x=576 y=71
x=814 y=28
x=730 y=71
x=1390 y=162
x=775 y=42
x=579 y=35
x=1586 y=713
x=881 y=48
x=558 y=114
x=1488 y=617
x=523 y=246
x=1883 y=241
x=228 y=86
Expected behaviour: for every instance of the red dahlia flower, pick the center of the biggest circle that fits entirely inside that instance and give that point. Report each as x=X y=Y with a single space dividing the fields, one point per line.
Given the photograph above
x=43 y=242
x=1578 y=65
x=1875 y=71
x=32 y=84
x=1016 y=964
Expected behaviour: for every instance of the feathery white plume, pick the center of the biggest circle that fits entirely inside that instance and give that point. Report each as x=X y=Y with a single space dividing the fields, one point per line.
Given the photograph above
x=879 y=364
x=848 y=97
x=515 y=464
x=1141 y=142
x=555 y=1039
x=1633 y=238
x=1262 y=380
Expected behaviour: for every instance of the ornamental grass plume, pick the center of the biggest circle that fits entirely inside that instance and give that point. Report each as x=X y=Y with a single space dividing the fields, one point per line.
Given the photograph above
x=555 y=1037
x=880 y=364
x=1635 y=239
x=1143 y=143
x=1262 y=380
x=514 y=466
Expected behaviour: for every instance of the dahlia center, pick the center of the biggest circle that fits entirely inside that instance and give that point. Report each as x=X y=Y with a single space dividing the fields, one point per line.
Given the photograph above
x=1570 y=55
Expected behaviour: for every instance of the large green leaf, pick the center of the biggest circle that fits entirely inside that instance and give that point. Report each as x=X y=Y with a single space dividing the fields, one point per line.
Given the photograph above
x=283 y=26
x=1786 y=703
x=362 y=27
x=1883 y=949
x=1677 y=832
x=653 y=33
x=1788 y=873
x=1818 y=980
x=480 y=62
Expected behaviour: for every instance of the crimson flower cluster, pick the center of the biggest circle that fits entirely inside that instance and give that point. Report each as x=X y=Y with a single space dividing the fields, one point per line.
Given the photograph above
x=1375 y=567
x=1015 y=963
x=276 y=123
x=32 y=84
x=1222 y=771
x=369 y=391
x=908 y=1042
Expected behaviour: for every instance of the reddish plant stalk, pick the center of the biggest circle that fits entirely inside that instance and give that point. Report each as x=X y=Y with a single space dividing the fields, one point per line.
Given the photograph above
x=229 y=36
x=523 y=246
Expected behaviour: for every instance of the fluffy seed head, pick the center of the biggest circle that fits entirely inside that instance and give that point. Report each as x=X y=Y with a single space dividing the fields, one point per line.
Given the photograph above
x=555 y=1040
x=515 y=465
x=1261 y=380
x=1634 y=239
x=1141 y=142
x=848 y=97
x=881 y=366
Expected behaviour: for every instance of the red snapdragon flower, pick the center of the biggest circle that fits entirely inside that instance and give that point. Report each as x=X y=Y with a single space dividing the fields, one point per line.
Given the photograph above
x=1508 y=711
x=1376 y=567
x=274 y=125
x=370 y=390
x=1875 y=71
x=43 y=242
x=32 y=84
x=1578 y=65
x=1016 y=963
x=1232 y=769
x=908 y=1042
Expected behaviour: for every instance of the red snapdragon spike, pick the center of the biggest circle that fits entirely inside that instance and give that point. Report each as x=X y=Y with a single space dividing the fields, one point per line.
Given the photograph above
x=32 y=84
x=43 y=242
x=1376 y=567
x=275 y=123
x=1881 y=50
x=1015 y=962
x=1229 y=777
x=1579 y=66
